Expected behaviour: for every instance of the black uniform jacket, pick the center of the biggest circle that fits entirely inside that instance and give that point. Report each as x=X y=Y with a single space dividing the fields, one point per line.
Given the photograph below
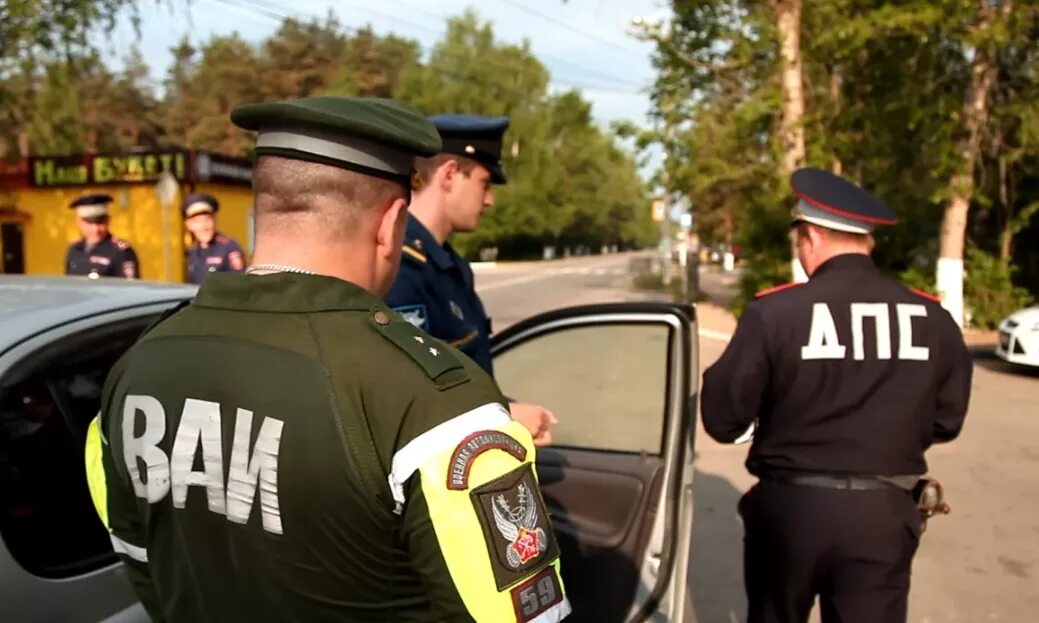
x=851 y=373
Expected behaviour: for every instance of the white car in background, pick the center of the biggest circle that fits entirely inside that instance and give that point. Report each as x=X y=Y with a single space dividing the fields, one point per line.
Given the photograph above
x=1019 y=337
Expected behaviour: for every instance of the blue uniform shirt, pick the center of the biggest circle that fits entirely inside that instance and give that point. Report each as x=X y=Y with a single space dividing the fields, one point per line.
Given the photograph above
x=434 y=291
x=111 y=257
x=221 y=255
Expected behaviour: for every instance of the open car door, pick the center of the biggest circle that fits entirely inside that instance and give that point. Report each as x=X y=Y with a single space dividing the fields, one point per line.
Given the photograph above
x=618 y=479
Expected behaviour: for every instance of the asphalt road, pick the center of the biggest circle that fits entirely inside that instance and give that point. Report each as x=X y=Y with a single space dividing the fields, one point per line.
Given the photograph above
x=981 y=563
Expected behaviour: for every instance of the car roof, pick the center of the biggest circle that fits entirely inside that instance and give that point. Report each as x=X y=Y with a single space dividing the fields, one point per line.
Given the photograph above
x=30 y=304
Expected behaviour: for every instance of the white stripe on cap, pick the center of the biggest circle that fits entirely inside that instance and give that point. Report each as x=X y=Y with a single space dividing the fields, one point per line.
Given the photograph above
x=199 y=207
x=346 y=149
x=92 y=211
x=805 y=211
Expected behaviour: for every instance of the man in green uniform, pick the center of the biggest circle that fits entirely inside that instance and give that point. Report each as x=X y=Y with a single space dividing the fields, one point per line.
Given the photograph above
x=289 y=448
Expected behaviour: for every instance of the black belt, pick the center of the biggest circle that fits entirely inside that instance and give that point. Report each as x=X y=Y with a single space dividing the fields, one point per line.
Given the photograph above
x=829 y=481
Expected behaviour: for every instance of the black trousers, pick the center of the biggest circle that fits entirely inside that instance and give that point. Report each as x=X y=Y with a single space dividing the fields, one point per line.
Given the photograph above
x=852 y=549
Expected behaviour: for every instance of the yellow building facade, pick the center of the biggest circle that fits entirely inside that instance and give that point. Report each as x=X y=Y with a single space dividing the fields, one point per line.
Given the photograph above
x=37 y=226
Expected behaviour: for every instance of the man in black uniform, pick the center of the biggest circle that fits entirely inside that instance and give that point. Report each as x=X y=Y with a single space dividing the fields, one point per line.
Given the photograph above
x=849 y=377
x=212 y=252
x=98 y=253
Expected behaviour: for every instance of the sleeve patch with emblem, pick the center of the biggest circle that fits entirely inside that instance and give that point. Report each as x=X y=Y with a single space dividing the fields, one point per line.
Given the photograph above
x=536 y=596
x=417 y=315
x=473 y=446
x=516 y=525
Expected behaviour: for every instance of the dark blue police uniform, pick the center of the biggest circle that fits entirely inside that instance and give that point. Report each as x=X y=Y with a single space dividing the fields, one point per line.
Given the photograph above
x=222 y=254
x=111 y=257
x=435 y=292
x=219 y=255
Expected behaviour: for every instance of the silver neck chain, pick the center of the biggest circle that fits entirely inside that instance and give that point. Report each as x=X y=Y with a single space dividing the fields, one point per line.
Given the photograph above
x=278 y=268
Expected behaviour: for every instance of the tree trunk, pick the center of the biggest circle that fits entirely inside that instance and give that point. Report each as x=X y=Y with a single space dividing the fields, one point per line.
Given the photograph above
x=954 y=224
x=835 y=101
x=791 y=124
x=1006 y=237
x=728 y=222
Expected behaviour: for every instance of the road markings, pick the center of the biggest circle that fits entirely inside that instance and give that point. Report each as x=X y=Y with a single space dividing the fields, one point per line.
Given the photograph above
x=546 y=274
x=715 y=335
x=505 y=283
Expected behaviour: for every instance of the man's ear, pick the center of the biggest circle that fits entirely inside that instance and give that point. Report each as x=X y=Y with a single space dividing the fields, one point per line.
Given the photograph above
x=447 y=173
x=815 y=236
x=391 y=227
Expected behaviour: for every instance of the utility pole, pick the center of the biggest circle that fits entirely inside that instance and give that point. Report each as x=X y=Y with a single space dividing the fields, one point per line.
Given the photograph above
x=665 y=224
x=668 y=108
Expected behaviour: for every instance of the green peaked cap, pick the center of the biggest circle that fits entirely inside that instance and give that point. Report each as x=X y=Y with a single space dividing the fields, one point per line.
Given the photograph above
x=375 y=136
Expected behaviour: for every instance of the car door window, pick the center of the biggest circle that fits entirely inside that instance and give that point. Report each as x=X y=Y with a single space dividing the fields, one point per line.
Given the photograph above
x=606 y=384
x=619 y=377
x=47 y=519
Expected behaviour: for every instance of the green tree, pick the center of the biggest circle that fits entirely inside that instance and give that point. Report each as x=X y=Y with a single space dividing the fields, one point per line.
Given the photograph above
x=373 y=65
x=179 y=111
x=224 y=78
x=301 y=58
x=54 y=126
x=891 y=98
x=569 y=183
x=34 y=36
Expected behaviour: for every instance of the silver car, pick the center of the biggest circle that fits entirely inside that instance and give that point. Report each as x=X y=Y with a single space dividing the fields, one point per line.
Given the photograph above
x=618 y=482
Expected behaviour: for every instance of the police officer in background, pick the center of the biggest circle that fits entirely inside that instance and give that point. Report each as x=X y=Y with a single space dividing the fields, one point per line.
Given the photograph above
x=211 y=252
x=435 y=289
x=98 y=253
x=287 y=448
x=850 y=378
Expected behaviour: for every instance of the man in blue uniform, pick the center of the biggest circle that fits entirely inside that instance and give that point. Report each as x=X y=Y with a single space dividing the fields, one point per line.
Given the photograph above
x=212 y=252
x=850 y=378
x=98 y=253
x=434 y=289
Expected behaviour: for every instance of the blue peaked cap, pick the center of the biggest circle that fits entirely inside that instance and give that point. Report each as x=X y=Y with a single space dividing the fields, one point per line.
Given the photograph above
x=474 y=136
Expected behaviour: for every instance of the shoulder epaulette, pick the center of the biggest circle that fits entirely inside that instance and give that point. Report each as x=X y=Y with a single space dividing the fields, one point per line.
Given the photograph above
x=414 y=254
x=926 y=295
x=775 y=289
x=120 y=243
x=435 y=358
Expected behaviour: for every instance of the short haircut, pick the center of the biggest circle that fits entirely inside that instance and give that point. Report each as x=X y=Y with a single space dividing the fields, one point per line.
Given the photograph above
x=331 y=199
x=425 y=168
x=833 y=235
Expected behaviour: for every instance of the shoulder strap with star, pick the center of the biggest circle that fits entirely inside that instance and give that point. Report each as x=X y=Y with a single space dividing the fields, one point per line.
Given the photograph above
x=412 y=250
x=435 y=358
